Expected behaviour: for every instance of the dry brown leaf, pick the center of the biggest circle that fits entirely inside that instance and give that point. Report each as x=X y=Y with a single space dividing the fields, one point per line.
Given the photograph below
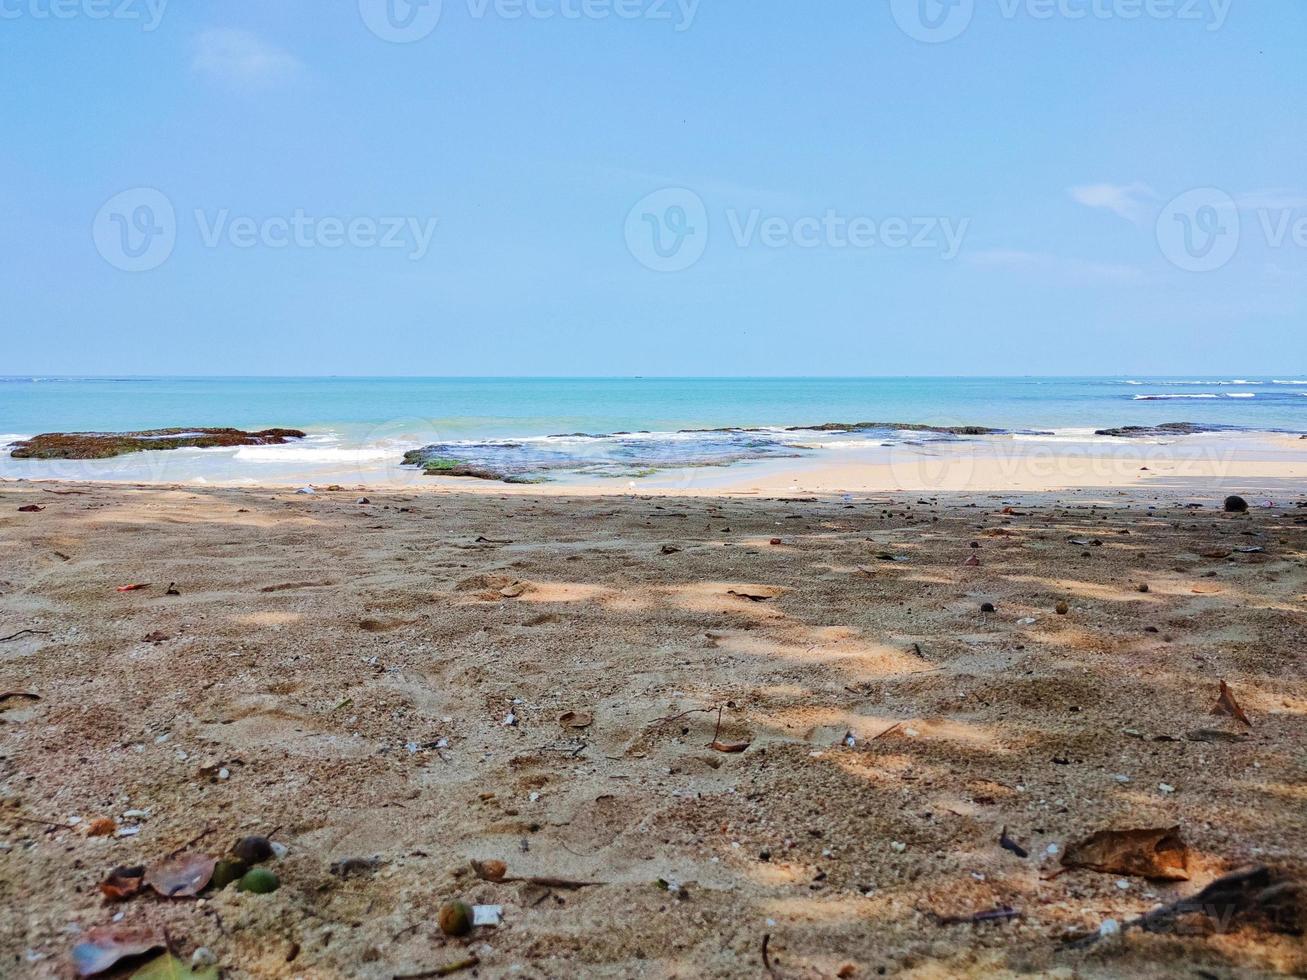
x=1227 y=705
x=729 y=746
x=1153 y=852
x=101 y=827
x=182 y=876
x=576 y=719
x=491 y=870
x=103 y=946
x=122 y=882
x=134 y=588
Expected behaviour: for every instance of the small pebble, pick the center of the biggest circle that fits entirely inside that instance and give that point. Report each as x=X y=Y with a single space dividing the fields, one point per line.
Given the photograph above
x=202 y=957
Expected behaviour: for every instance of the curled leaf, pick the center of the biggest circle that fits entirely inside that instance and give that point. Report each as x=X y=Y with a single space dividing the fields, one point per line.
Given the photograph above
x=1227 y=705
x=104 y=946
x=182 y=876
x=123 y=882
x=731 y=747
x=1154 y=852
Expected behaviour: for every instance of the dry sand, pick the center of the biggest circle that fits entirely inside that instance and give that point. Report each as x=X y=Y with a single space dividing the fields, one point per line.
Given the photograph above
x=351 y=668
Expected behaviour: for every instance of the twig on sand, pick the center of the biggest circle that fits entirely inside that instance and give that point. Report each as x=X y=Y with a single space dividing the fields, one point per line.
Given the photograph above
x=441 y=971
x=766 y=958
x=14 y=636
x=897 y=725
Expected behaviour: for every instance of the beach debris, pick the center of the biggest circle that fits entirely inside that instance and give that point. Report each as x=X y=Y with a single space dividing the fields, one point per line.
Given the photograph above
x=260 y=881
x=487 y=915
x=227 y=871
x=775 y=541
x=730 y=747
x=458 y=966
x=1001 y=914
x=1027 y=621
x=252 y=849
x=363 y=500
x=123 y=882
x=669 y=549
x=306 y=490
x=576 y=719
x=988 y=607
x=1062 y=609
x=513 y=590
x=101 y=827
x=1008 y=844
x=348 y=867
x=1141 y=587
x=155 y=637
x=1215 y=735
x=169 y=967
x=183 y=876
x=104 y=946
x=18 y=696
x=972 y=562
x=137 y=587
x=14 y=636
x=1152 y=852
x=753 y=596
x=1227 y=705
x=31 y=509
x=172 y=589
x=1235 y=504
x=455 y=919
x=490 y=870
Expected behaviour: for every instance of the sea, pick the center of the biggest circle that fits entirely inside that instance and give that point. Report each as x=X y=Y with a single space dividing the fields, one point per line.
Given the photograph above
x=545 y=429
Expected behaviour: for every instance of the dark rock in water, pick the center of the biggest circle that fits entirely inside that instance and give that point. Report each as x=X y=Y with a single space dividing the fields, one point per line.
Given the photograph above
x=104 y=445
x=956 y=430
x=1165 y=429
x=1235 y=505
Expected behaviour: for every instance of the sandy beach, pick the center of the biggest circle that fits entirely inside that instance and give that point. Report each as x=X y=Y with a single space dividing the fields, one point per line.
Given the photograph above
x=536 y=677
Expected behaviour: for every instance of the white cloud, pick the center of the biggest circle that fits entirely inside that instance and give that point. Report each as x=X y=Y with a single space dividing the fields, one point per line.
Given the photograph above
x=244 y=60
x=1056 y=269
x=1128 y=201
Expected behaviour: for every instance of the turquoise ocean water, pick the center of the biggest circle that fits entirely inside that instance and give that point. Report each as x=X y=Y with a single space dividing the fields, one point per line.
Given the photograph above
x=615 y=425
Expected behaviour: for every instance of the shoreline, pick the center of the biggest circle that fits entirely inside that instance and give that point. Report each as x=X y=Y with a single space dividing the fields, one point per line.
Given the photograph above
x=1232 y=461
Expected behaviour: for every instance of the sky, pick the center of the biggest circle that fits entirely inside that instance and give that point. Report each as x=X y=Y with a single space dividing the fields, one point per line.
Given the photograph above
x=653 y=187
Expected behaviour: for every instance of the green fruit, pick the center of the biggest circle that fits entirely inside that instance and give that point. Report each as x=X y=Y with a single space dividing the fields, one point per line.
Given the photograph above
x=259 y=880
x=226 y=871
x=455 y=919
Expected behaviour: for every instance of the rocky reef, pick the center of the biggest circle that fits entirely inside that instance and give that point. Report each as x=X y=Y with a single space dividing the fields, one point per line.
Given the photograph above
x=104 y=445
x=1165 y=429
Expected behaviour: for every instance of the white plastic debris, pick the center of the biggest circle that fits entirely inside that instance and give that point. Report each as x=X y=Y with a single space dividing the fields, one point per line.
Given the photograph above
x=224 y=773
x=487 y=915
x=306 y=490
x=127 y=831
x=510 y=720
x=1027 y=621
x=1122 y=884
x=202 y=957
x=1110 y=927
x=1121 y=777
x=1166 y=787
x=898 y=846
x=279 y=849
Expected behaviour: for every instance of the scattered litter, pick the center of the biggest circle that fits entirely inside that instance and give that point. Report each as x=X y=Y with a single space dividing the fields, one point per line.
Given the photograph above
x=1008 y=844
x=306 y=490
x=1154 y=852
x=1227 y=705
x=487 y=915
x=103 y=946
x=134 y=588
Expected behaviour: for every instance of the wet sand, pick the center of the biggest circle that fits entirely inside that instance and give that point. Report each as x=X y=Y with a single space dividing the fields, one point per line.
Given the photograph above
x=350 y=668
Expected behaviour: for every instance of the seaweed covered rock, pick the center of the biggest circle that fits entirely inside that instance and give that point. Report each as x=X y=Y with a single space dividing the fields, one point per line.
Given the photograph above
x=104 y=445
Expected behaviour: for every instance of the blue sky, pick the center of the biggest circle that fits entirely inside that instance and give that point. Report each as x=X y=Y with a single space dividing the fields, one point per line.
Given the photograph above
x=845 y=198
